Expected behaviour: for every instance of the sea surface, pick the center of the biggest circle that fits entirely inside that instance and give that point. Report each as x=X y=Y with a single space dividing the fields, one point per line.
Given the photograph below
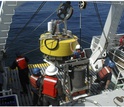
x=25 y=38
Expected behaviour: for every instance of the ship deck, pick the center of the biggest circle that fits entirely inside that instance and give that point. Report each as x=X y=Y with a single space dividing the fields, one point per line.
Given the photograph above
x=26 y=100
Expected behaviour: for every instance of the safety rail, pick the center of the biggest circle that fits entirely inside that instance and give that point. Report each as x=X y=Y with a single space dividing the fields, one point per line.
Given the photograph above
x=94 y=42
x=7 y=98
x=115 y=41
x=119 y=61
x=26 y=100
x=118 y=76
x=6 y=92
x=6 y=13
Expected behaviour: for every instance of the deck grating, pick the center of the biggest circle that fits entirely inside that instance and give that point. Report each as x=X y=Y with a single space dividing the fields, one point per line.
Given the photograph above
x=26 y=100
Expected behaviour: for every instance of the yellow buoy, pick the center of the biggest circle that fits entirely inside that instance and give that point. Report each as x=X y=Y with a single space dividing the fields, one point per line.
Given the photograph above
x=58 y=46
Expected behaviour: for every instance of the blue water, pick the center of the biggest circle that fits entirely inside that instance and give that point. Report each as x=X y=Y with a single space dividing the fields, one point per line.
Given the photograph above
x=27 y=41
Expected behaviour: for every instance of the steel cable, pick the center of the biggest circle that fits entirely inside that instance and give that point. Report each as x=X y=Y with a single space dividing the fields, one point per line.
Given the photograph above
x=97 y=11
x=40 y=7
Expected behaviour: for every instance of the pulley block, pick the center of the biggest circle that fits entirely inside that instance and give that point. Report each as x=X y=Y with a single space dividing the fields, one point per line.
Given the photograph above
x=65 y=11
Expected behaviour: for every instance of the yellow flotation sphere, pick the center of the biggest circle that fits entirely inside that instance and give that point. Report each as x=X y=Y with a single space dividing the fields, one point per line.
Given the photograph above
x=58 y=46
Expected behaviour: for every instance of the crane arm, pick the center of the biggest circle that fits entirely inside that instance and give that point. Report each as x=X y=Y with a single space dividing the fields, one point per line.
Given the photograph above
x=108 y=33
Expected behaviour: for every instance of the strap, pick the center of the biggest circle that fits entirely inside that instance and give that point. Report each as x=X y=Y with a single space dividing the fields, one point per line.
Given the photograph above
x=34 y=77
x=50 y=80
x=107 y=70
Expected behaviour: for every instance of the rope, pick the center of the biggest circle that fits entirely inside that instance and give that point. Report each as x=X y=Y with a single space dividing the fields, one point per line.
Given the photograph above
x=43 y=21
x=41 y=24
x=49 y=43
x=97 y=11
x=36 y=29
x=27 y=23
x=80 y=25
x=82 y=100
x=85 y=41
x=119 y=99
x=38 y=48
x=30 y=51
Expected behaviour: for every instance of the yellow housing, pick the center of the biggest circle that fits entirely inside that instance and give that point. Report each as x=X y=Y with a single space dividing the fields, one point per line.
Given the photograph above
x=58 y=46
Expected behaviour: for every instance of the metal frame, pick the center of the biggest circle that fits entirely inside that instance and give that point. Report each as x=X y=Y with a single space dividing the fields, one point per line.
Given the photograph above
x=73 y=63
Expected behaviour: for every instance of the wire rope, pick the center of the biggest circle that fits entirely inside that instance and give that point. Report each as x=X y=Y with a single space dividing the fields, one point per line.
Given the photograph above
x=40 y=25
x=99 y=18
x=44 y=21
x=119 y=99
x=53 y=41
x=39 y=47
x=36 y=28
x=27 y=23
x=85 y=41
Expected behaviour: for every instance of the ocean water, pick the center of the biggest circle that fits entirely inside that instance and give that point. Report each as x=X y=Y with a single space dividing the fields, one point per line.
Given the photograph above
x=27 y=42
